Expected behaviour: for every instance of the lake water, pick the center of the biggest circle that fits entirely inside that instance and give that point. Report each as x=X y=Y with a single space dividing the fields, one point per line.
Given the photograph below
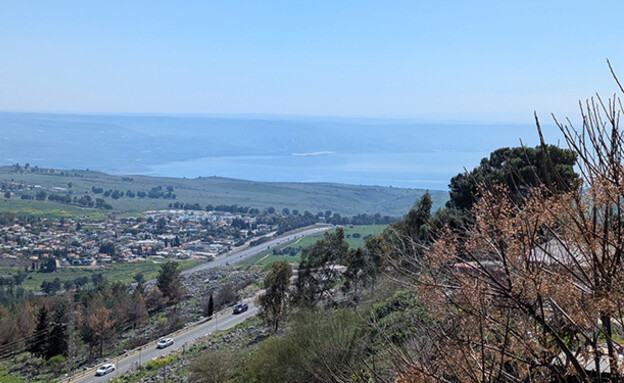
x=262 y=148
x=413 y=170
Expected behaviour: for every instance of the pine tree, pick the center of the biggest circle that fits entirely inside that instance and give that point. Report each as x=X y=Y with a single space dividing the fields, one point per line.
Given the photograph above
x=38 y=344
x=169 y=282
x=57 y=340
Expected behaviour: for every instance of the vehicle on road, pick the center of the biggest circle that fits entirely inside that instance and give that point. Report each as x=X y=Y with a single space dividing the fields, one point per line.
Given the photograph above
x=105 y=369
x=165 y=342
x=241 y=307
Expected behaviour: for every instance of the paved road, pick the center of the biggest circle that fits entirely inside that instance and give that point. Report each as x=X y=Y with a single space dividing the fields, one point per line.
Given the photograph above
x=185 y=337
x=238 y=255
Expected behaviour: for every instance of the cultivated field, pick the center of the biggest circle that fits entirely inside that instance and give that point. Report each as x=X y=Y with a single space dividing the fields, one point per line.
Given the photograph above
x=360 y=232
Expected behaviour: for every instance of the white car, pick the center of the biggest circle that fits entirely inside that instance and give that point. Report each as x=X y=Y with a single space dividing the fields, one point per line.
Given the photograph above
x=166 y=342
x=105 y=369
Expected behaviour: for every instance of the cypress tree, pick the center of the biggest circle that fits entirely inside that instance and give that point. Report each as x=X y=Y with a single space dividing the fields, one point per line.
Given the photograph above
x=57 y=341
x=210 y=309
x=38 y=344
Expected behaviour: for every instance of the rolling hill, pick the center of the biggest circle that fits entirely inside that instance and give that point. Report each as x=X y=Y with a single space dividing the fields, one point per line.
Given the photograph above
x=339 y=198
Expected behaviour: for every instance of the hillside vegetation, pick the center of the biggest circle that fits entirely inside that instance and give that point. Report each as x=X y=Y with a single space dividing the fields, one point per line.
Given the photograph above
x=340 y=198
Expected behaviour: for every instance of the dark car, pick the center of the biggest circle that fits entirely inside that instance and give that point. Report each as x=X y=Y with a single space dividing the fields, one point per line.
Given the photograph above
x=241 y=307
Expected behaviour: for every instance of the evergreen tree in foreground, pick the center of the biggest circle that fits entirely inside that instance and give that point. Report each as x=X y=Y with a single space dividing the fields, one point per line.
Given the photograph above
x=210 y=308
x=38 y=343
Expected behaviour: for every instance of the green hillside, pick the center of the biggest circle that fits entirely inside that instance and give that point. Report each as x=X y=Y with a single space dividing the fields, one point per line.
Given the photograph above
x=339 y=198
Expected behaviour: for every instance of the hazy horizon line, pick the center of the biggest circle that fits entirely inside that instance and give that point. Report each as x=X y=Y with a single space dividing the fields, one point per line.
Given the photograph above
x=284 y=116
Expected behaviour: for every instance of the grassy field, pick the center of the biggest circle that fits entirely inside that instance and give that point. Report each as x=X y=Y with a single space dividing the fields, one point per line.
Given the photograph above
x=6 y=378
x=267 y=257
x=47 y=209
x=344 y=199
x=118 y=272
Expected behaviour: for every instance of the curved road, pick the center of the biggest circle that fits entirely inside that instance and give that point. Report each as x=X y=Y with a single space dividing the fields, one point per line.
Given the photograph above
x=238 y=255
x=189 y=335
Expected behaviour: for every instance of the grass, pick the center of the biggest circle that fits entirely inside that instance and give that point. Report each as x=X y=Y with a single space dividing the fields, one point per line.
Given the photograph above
x=5 y=378
x=47 y=209
x=158 y=363
x=267 y=257
x=117 y=272
x=339 y=198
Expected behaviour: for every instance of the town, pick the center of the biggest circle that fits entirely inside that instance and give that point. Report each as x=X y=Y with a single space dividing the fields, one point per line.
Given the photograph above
x=32 y=242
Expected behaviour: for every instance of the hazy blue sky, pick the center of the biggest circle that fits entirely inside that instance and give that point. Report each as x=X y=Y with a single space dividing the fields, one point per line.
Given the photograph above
x=447 y=60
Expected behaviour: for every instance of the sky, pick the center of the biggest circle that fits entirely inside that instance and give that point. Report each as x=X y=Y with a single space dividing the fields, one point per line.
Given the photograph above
x=430 y=60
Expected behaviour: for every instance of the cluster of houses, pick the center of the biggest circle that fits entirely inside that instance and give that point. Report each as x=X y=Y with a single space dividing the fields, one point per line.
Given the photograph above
x=168 y=234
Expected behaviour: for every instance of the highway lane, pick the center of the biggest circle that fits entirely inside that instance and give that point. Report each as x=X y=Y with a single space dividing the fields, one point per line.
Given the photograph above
x=187 y=336
x=183 y=338
x=238 y=255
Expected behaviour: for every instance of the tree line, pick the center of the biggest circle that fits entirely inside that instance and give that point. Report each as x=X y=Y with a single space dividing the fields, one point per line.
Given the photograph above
x=385 y=313
x=95 y=310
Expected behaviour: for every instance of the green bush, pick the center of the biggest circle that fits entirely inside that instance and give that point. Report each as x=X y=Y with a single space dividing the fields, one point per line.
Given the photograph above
x=158 y=363
x=320 y=346
x=214 y=367
x=56 y=363
x=401 y=316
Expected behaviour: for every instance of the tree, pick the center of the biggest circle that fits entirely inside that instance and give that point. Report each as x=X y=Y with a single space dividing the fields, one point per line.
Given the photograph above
x=49 y=266
x=136 y=311
x=107 y=248
x=97 y=279
x=214 y=367
x=317 y=270
x=318 y=346
x=38 y=343
x=50 y=288
x=57 y=341
x=97 y=326
x=210 y=307
x=56 y=363
x=154 y=300
x=169 y=282
x=362 y=269
x=161 y=224
x=100 y=203
x=405 y=240
x=536 y=294
x=274 y=299
x=139 y=278
x=519 y=169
